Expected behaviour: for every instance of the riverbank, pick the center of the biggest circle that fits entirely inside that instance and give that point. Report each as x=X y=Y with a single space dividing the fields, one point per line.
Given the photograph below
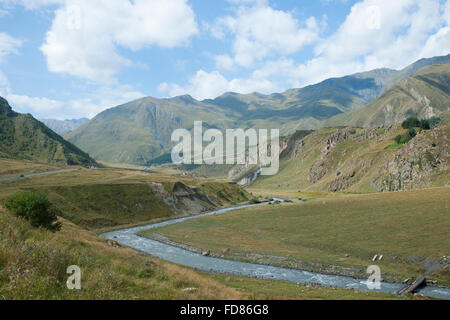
x=203 y=262
x=406 y=231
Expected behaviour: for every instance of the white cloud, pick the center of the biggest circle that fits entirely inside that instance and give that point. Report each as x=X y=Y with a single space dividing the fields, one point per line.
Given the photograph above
x=438 y=44
x=207 y=85
x=23 y=103
x=90 y=105
x=375 y=34
x=85 y=34
x=260 y=31
x=8 y=45
x=447 y=12
x=4 y=85
x=224 y=62
x=408 y=30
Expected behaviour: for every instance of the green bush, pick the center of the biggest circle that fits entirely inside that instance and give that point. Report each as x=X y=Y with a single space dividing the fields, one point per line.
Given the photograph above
x=411 y=122
x=35 y=208
x=425 y=124
x=411 y=133
x=402 y=139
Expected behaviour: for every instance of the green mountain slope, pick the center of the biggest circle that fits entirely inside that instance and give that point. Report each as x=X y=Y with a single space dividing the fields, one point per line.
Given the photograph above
x=139 y=131
x=424 y=94
x=23 y=137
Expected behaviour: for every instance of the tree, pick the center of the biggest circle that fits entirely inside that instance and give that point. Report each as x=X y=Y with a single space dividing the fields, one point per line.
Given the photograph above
x=411 y=133
x=411 y=122
x=35 y=208
x=398 y=139
x=425 y=124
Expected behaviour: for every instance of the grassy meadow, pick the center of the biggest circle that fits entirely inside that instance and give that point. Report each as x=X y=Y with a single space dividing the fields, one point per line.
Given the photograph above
x=410 y=230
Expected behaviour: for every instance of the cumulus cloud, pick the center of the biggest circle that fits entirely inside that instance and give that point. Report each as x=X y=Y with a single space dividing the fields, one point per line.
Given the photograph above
x=207 y=85
x=84 y=35
x=90 y=105
x=260 y=31
x=406 y=31
x=375 y=34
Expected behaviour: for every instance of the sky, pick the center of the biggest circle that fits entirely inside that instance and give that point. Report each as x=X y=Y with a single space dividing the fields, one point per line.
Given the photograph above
x=65 y=59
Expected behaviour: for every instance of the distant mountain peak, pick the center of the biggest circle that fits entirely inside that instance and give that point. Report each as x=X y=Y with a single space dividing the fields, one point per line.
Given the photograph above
x=64 y=126
x=184 y=99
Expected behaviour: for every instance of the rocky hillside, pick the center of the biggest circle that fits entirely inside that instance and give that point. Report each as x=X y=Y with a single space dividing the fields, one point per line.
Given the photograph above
x=363 y=160
x=23 y=137
x=425 y=94
x=139 y=131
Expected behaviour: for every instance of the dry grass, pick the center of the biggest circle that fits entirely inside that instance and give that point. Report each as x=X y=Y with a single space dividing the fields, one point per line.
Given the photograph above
x=11 y=168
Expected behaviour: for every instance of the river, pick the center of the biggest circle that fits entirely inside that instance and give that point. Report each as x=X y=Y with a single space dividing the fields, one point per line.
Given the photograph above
x=129 y=237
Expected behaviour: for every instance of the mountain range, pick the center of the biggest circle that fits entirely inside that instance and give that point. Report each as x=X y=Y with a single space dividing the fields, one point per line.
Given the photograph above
x=139 y=131
x=24 y=137
x=64 y=126
x=425 y=94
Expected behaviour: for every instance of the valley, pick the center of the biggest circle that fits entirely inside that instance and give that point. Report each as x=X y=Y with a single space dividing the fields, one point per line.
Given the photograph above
x=360 y=186
x=33 y=261
x=331 y=235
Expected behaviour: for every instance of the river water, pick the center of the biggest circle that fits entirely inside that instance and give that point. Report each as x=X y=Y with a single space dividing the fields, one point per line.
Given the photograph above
x=197 y=261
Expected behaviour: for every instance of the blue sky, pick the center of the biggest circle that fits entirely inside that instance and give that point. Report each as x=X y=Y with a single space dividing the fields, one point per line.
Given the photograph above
x=73 y=58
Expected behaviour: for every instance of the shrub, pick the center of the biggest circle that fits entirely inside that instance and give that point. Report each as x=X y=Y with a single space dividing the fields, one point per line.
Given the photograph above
x=402 y=139
x=411 y=133
x=411 y=122
x=425 y=124
x=35 y=208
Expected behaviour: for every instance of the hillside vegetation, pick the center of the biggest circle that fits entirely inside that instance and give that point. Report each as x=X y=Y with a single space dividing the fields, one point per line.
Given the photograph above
x=23 y=137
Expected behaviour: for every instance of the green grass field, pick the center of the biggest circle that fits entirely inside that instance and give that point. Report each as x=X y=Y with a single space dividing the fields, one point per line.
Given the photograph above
x=345 y=231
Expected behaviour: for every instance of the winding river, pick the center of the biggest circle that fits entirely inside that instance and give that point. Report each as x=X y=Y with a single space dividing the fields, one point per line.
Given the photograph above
x=129 y=237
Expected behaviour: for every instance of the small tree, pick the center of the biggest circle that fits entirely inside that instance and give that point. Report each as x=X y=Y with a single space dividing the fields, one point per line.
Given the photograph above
x=398 y=139
x=411 y=133
x=425 y=124
x=411 y=122
x=35 y=208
